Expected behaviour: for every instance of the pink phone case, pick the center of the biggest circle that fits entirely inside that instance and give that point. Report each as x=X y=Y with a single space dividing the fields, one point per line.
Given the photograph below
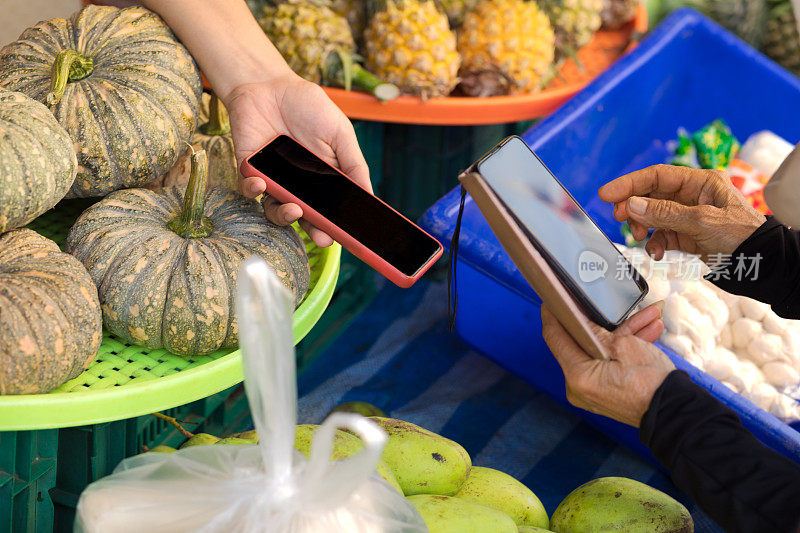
x=339 y=235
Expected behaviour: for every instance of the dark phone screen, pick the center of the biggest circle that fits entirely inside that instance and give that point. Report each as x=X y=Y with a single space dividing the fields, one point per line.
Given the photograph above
x=563 y=229
x=341 y=201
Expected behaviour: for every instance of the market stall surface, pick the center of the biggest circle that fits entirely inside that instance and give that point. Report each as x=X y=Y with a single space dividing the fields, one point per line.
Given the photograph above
x=399 y=355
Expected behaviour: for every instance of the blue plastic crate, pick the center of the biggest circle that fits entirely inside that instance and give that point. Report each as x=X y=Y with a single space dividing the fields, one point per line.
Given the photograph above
x=688 y=72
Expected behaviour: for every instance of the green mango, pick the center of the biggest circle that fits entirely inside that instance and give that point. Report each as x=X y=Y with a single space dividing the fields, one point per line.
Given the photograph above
x=422 y=461
x=249 y=435
x=620 y=504
x=162 y=449
x=532 y=529
x=500 y=491
x=361 y=408
x=445 y=514
x=235 y=440
x=344 y=445
x=200 y=439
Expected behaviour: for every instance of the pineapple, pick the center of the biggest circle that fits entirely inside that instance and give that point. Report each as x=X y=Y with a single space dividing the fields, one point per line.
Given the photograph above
x=745 y=18
x=507 y=47
x=318 y=46
x=409 y=43
x=617 y=13
x=456 y=10
x=305 y=34
x=355 y=11
x=782 y=42
x=574 y=21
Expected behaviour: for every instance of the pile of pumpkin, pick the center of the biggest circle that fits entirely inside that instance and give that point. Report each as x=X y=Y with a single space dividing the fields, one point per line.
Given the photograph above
x=103 y=105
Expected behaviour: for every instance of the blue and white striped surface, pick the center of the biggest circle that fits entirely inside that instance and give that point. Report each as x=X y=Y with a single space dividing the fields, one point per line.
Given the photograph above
x=399 y=356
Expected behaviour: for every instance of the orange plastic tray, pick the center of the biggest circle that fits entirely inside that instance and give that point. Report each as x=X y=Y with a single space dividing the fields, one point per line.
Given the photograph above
x=605 y=48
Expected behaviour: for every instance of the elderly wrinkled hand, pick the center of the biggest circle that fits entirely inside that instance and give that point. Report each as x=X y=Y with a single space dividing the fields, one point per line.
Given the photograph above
x=695 y=211
x=622 y=387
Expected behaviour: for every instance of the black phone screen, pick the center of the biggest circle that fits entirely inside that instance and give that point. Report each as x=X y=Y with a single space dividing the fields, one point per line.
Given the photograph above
x=563 y=231
x=344 y=203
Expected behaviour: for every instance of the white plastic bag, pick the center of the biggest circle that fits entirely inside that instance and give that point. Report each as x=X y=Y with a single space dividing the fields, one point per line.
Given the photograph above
x=268 y=487
x=765 y=151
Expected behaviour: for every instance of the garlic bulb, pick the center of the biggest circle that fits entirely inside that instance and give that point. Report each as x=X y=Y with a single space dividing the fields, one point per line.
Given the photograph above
x=737 y=340
x=725 y=336
x=743 y=331
x=765 y=348
x=752 y=309
x=762 y=394
x=772 y=323
x=780 y=374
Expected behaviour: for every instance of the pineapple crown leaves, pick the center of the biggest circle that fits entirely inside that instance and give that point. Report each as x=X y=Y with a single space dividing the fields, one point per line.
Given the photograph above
x=338 y=67
x=378 y=6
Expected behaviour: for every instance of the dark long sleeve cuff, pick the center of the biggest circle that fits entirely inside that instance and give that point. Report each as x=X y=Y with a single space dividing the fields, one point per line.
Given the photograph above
x=765 y=267
x=740 y=483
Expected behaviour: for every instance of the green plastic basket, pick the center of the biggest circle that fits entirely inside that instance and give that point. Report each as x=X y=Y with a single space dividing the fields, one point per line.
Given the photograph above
x=43 y=472
x=126 y=381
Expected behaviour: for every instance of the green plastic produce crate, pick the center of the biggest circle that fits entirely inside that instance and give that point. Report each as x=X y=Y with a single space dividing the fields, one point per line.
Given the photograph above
x=53 y=445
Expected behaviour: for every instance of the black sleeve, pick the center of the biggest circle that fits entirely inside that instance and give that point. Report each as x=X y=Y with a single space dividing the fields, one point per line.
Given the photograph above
x=740 y=483
x=765 y=267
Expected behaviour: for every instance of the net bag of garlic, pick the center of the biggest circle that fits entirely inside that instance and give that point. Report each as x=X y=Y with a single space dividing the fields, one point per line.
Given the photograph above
x=260 y=487
x=737 y=340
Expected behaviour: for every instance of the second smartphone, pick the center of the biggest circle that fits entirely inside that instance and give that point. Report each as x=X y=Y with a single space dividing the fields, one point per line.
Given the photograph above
x=588 y=264
x=334 y=203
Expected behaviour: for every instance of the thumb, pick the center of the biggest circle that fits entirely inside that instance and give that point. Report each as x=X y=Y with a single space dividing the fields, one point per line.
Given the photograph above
x=350 y=158
x=664 y=214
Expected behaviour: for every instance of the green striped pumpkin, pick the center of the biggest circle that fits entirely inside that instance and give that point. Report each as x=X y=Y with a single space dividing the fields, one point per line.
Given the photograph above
x=121 y=85
x=213 y=136
x=165 y=262
x=50 y=319
x=37 y=162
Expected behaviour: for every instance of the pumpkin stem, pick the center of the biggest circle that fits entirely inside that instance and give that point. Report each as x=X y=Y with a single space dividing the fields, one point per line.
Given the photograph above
x=218 y=123
x=191 y=223
x=69 y=66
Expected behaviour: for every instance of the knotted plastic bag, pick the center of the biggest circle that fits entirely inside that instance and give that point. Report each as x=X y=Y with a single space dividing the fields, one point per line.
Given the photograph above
x=268 y=487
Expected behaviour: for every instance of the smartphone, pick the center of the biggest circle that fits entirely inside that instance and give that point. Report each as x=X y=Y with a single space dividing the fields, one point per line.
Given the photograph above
x=362 y=223
x=585 y=260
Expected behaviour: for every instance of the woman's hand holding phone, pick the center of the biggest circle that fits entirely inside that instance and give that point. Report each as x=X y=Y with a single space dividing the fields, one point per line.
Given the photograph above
x=302 y=110
x=264 y=97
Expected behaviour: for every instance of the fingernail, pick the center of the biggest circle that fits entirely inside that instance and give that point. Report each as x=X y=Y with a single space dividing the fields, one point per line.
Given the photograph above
x=637 y=205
